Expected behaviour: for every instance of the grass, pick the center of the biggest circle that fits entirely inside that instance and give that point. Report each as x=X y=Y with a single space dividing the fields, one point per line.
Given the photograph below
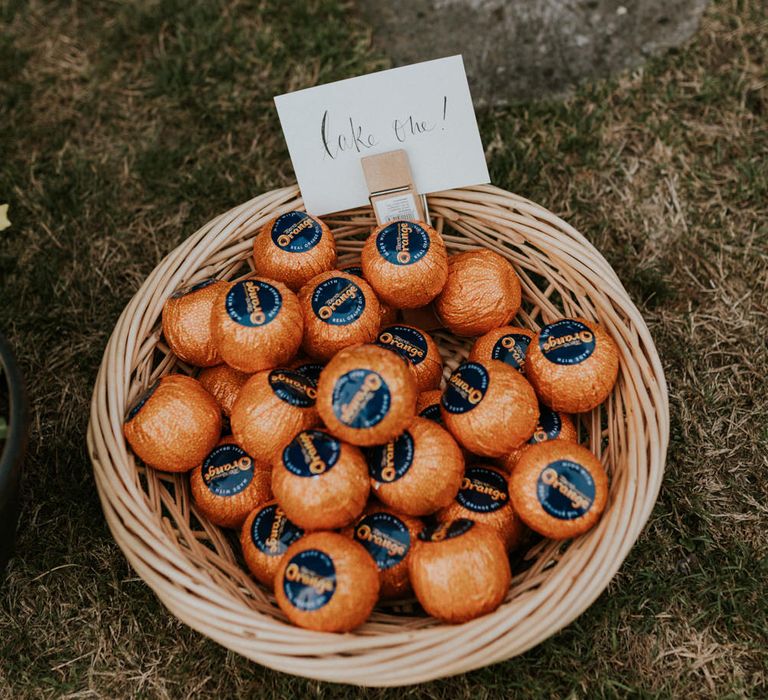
x=126 y=126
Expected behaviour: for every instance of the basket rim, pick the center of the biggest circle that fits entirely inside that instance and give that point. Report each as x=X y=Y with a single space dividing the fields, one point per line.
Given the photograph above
x=187 y=592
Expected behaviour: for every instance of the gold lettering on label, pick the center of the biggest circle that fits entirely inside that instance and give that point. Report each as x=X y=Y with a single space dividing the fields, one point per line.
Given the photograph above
x=404 y=232
x=315 y=463
x=409 y=349
x=371 y=384
x=326 y=311
x=554 y=480
x=366 y=534
x=302 y=388
x=283 y=240
x=257 y=315
x=474 y=396
x=481 y=487
x=278 y=525
x=321 y=584
x=241 y=464
x=571 y=339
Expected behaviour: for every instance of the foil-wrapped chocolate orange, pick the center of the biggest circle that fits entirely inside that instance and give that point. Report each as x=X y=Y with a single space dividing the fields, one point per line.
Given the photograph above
x=559 y=489
x=418 y=349
x=187 y=323
x=264 y=538
x=419 y=471
x=573 y=364
x=229 y=484
x=459 y=570
x=292 y=248
x=366 y=395
x=339 y=310
x=320 y=482
x=489 y=408
x=484 y=498
x=508 y=344
x=223 y=383
x=327 y=582
x=257 y=324
x=174 y=424
x=406 y=263
x=272 y=407
x=388 y=536
x=482 y=293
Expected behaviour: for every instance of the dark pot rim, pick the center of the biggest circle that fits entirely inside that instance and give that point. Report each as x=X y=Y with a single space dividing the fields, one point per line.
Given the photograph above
x=15 y=445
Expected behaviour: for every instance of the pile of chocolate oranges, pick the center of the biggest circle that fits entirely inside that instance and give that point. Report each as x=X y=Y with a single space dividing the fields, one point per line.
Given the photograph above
x=320 y=423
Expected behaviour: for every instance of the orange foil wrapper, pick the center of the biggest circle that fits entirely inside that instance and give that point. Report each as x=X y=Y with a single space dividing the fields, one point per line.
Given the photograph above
x=389 y=537
x=320 y=482
x=559 y=489
x=327 y=582
x=271 y=408
x=482 y=293
x=573 y=364
x=366 y=395
x=264 y=538
x=484 y=498
x=223 y=383
x=418 y=349
x=552 y=425
x=229 y=484
x=174 y=424
x=292 y=248
x=459 y=570
x=257 y=324
x=418 y=472
x=406 y=263
x=489 y=408
x=340 y=309
x=187 y=323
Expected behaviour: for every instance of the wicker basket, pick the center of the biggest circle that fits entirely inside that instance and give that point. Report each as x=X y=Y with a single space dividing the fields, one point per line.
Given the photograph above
x=192 y=566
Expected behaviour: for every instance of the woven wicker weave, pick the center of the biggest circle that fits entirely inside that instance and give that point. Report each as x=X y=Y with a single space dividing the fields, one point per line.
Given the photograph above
x=192 y=565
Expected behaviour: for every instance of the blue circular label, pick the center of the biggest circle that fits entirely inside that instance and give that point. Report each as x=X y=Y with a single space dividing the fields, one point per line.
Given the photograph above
x=194 y=288
x=385 y=537
x=296 y=232
x=361 y=398
x=549 y=425
x=227 y=470
x=272 y=532
x=142 y=400
x=311 y=370
x=565 y=489
x=388 y=463
x=309 y=581
x=293 y=387
x=402 y=242
x=566 y=342
x=483 y=490
x=512 y=349
x=253 y=303
x=338 y=301
x=446 y=531
x=311 y=452
x=409 y=343
x=466 y=388
x=432 y=412
x=355 y=270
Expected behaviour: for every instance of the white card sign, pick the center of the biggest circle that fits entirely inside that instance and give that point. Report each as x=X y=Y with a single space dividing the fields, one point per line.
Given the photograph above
x=425 y=109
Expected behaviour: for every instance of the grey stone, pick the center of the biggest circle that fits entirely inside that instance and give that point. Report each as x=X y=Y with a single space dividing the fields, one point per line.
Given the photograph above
x=519 y=49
